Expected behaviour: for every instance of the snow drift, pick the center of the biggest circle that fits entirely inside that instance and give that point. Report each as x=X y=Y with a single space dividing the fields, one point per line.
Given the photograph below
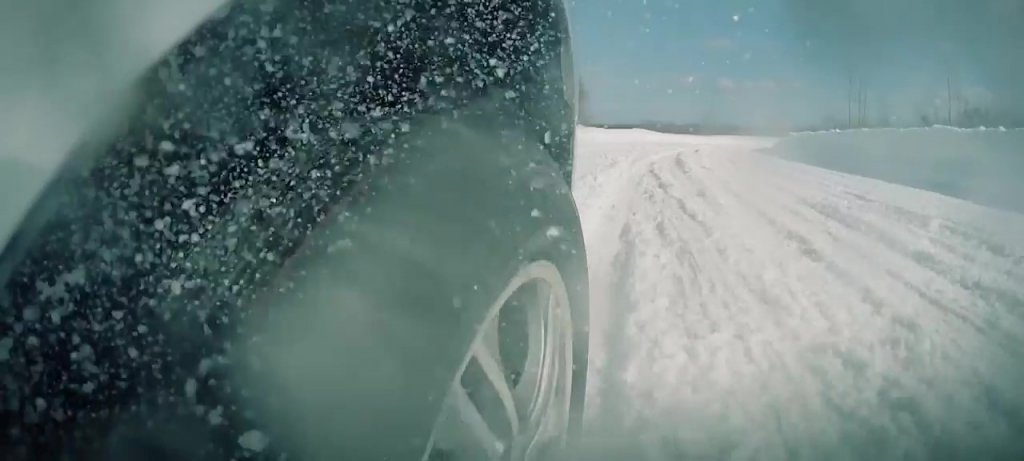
x=979 y=165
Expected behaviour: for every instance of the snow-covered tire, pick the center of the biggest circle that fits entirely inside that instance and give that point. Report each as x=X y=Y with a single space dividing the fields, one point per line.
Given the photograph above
x=378 y=313
x=352 y=350
x=291 y=241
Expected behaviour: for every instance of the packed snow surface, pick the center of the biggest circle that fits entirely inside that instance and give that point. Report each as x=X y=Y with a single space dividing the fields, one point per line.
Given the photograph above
x=747 y=307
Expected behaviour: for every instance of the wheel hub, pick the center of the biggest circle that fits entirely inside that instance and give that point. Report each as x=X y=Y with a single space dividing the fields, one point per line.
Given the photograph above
x=511 y=398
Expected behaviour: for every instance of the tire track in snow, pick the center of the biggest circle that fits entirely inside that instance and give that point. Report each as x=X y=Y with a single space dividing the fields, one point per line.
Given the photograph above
x=895 y=246
x=991 y=289
x=996 y=331
x=777 y=311
x=967 y=229
x=616 y=358
x=609 y=177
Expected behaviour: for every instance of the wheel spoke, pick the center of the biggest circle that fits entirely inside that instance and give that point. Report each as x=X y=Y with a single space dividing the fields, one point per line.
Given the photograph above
x=475 y=424
x=511 y=399
x=552 y=411
x=547 y=366
x=548 y=416
x=537 y=321
x=488 y=354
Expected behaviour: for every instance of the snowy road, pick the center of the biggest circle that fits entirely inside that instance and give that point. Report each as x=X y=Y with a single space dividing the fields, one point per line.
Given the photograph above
x=747 y=307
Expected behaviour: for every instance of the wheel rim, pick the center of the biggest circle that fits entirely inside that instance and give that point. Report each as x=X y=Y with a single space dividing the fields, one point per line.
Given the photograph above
x=510 y=400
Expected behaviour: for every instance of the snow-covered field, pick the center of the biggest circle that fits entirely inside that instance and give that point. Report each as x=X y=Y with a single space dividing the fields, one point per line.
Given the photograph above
x=980 y=165
x=747 y=307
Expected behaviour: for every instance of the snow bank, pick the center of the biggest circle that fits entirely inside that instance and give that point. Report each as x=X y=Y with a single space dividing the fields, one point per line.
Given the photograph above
x=979 y=165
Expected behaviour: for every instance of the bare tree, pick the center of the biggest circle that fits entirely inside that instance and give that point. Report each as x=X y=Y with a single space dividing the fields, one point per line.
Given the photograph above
x=882 y=109
x=954 y=96
x=849 y=98
x=857 y=98
x=862 y=108
x=949 y=99
x=583 y=105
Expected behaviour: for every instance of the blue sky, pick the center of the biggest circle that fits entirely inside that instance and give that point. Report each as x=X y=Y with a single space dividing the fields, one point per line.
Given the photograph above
x=741 y=61
x=684 y=61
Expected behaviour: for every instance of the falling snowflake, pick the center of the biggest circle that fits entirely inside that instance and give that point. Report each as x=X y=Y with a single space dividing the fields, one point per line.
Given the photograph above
x=254 y=440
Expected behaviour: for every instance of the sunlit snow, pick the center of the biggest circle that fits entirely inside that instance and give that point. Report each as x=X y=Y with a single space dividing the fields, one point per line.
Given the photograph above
x=746 y=307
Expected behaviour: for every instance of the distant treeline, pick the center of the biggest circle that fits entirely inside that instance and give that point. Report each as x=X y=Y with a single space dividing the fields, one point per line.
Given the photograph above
x=685 y=128
x=734 y=129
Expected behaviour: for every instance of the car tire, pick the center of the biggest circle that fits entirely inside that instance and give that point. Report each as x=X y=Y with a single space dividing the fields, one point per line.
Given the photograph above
x=276 y=254
x=375 y=320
